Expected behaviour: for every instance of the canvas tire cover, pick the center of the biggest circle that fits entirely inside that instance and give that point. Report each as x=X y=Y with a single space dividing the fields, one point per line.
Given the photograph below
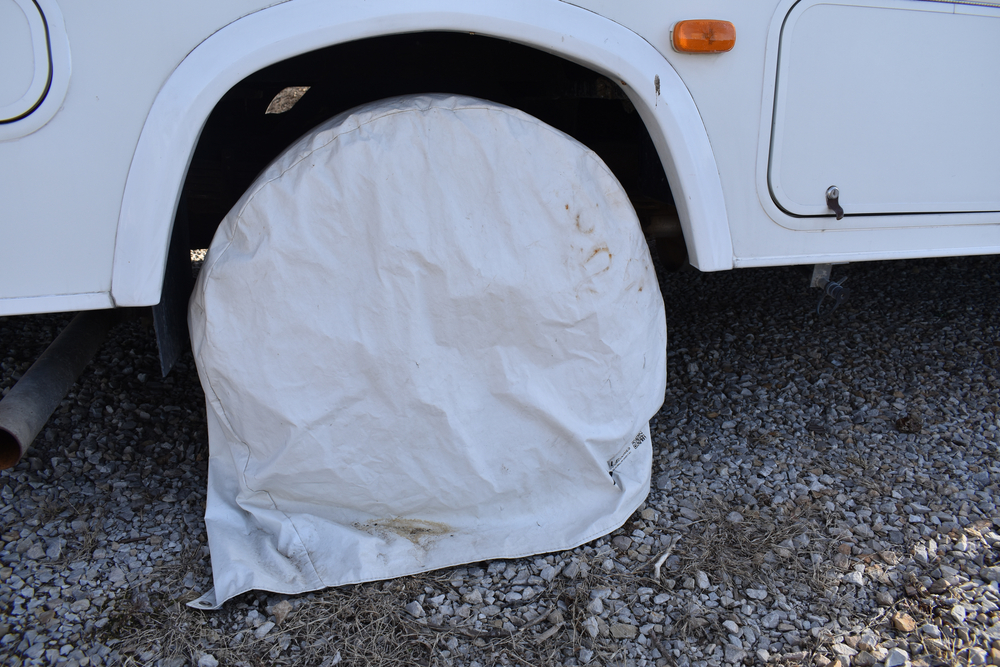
x=429 y=334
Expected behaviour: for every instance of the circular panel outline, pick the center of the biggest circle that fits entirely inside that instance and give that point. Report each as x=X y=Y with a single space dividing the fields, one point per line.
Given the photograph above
x=41 y=79
x=57 y=77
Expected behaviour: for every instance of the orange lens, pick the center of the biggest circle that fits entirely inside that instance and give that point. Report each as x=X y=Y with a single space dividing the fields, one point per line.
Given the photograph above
x=704 y=36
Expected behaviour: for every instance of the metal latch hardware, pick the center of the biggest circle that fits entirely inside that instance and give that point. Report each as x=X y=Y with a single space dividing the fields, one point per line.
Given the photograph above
x=831 y=289
x=832 y=201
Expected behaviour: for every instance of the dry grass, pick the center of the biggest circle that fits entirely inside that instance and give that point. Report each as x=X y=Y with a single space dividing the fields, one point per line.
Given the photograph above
x=366 y=625
x=748 y=550
x=750 y=553
x=362 y=624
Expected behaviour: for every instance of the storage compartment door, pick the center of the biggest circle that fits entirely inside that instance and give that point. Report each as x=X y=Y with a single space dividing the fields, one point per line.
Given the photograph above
x=897 y=104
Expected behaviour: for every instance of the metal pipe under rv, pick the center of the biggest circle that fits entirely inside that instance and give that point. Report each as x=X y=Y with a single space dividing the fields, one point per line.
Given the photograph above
x=30 y=402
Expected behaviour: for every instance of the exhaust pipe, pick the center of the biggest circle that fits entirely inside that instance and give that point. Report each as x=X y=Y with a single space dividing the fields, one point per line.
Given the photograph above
x=30 y=402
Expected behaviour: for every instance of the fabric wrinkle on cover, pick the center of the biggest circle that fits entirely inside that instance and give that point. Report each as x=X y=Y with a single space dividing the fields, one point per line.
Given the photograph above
x=429 y=334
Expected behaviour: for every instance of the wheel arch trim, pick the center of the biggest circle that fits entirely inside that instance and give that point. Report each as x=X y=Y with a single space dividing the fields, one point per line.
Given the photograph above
x=173 y=125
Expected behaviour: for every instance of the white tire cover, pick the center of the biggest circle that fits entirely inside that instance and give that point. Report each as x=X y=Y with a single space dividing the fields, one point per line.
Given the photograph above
x=429 y=334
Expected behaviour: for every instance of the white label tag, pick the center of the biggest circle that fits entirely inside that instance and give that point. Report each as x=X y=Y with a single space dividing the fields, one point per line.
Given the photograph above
x=613 y=464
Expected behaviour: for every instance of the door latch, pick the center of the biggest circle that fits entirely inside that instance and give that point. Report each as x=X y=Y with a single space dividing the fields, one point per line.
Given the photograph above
x=832 y=201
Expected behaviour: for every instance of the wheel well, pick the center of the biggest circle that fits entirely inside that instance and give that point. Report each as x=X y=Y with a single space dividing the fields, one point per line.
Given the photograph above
x=239 y=138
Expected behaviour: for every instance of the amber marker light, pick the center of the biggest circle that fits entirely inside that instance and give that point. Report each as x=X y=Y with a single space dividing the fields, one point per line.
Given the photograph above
x=704 y=36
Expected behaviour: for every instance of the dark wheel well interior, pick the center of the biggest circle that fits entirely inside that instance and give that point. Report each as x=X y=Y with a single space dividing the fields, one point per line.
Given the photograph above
x=239 y=139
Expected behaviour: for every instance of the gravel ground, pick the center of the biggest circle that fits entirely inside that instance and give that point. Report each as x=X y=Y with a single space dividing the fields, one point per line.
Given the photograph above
x=823 y=491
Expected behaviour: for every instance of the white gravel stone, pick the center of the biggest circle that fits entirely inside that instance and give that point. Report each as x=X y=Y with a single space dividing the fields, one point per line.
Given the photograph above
x=930 y=630
x=958 y=614
x=854 y=577
x=264 y=628
x=990 y=573
x=54 y=550
x=735 y=654
x=884 y=598
x=976 y=655
x=843 y=650
x=896 y=657
x=771 y=620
